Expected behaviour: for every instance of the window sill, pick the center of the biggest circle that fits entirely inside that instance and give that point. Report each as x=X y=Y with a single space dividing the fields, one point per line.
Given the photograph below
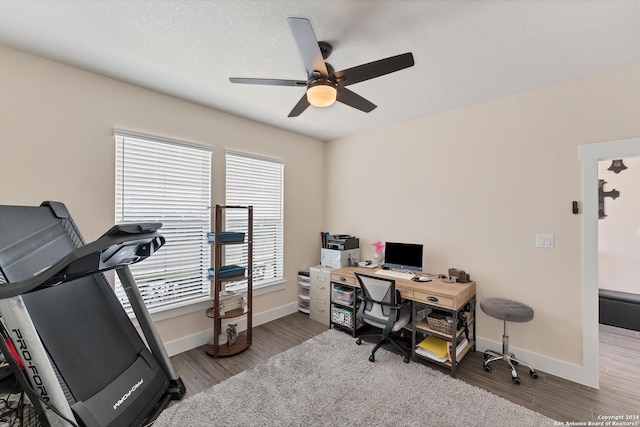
x=165 y=313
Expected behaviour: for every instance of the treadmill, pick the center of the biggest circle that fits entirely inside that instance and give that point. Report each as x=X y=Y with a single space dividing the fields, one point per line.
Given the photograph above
x=73 y=348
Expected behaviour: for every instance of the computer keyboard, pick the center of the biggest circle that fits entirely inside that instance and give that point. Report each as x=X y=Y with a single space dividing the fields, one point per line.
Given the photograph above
x=395 y=274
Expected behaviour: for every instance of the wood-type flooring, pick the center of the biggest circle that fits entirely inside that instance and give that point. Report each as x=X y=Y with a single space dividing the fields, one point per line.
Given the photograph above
x=552 y=396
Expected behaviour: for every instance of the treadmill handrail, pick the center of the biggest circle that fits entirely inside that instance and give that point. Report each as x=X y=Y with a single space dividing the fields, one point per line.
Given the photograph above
x=120 y=246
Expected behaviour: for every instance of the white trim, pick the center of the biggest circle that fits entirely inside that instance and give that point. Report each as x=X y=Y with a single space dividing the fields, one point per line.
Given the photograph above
x=201 y=305
x=254 y=156
x=201 y=338
x=543 y=363
x=591 y=154
x=161 y=139
x=546 y=364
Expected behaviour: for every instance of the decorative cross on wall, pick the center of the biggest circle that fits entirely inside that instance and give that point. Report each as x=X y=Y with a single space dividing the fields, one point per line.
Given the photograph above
x=602 y=194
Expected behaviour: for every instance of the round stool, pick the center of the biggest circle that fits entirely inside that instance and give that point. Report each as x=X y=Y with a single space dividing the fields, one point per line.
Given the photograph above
x=508 y=311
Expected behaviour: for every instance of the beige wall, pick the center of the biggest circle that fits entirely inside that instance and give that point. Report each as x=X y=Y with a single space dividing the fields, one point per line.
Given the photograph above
x=476 y=185
x=619 y=232
x=56 y=134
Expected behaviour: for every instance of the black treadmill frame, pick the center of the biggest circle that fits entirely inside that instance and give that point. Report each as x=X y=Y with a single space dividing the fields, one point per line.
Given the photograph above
x=119 y=247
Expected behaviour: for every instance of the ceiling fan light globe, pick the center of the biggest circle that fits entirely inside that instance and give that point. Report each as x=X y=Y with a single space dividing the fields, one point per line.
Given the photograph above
x=321 y=94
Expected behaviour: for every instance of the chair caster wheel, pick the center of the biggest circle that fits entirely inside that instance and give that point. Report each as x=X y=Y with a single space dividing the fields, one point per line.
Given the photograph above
x=358 y=341
x=487 y=368
x=372 y=358
x=406 y=359
x=516 y=380
x=533 y=373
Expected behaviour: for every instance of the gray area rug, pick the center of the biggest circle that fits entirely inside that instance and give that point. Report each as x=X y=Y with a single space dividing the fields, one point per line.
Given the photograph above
x=329 y=381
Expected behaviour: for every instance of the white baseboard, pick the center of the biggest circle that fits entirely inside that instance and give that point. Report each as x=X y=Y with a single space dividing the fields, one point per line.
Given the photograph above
x=546 y=364
x=201 y=338
x=539 y=362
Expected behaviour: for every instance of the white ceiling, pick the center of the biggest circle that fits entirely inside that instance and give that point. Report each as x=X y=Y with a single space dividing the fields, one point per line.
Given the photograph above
x=466 y=52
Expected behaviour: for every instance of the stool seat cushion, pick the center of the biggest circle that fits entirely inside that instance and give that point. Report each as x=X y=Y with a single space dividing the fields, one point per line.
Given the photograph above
x=506 y=309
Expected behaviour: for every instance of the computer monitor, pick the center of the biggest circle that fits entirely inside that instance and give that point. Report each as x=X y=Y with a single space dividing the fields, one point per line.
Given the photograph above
x=403 y=256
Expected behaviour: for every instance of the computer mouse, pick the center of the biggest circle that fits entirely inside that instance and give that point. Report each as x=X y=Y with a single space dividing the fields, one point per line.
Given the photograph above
x=424 y=279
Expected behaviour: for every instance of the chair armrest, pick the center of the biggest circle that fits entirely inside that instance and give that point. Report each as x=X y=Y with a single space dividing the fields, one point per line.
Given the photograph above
x=394 y=306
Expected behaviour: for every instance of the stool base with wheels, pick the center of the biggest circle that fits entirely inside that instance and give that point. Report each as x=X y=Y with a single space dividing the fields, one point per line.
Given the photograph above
x=507 y=311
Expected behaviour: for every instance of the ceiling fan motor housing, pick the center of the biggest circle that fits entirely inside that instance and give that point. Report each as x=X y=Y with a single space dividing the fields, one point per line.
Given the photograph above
x=325 y=49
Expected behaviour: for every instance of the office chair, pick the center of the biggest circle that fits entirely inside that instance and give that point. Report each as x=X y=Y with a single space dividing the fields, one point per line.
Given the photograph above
x=382 y=307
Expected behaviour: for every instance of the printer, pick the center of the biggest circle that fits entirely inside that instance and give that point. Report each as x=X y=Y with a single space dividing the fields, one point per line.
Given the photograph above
x=340 y=250
x=342 y=242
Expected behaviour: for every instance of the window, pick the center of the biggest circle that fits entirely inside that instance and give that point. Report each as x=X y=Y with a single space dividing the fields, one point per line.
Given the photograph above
x=169 y=182
x=256 y=181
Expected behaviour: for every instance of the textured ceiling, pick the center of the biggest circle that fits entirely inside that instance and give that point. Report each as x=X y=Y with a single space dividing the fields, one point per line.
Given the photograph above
x=466 y=52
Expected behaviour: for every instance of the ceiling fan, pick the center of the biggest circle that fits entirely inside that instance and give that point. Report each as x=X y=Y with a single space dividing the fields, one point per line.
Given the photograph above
x=324 y=85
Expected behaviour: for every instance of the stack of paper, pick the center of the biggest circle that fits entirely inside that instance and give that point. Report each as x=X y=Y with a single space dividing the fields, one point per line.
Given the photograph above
x=433 y=347
x=230 y=300
x=462 y=343
x=438 y=349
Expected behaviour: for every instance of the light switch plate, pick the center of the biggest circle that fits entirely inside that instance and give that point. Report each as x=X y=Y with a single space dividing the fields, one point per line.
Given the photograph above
x=545 y=241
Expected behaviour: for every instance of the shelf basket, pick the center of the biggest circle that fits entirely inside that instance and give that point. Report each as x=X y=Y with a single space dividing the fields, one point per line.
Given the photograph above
x=438 y=322
x=341 y=316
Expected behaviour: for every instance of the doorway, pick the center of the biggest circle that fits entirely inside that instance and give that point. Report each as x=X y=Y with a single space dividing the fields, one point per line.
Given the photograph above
x=591 y=154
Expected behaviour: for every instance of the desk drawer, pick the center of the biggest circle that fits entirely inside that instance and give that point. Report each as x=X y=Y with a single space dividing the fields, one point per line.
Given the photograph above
x=442 y=301
x=342 y=278
x=406 y=294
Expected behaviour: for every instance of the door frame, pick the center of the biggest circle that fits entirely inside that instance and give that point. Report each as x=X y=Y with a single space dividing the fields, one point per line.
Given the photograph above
x=590 y=155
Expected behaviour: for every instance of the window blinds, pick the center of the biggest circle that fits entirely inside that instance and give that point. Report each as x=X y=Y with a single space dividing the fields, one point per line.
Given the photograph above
x=168 y=182
x=256 y=181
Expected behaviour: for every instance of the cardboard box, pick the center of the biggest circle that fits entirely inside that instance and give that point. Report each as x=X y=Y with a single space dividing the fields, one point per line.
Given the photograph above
x=338 y=259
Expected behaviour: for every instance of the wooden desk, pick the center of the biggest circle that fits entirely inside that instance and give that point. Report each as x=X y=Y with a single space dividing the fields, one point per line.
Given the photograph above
x=450 y=297
x=437 y=293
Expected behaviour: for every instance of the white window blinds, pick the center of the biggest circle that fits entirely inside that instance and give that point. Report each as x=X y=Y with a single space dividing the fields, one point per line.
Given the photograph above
x=168 y=182
x=259 y=182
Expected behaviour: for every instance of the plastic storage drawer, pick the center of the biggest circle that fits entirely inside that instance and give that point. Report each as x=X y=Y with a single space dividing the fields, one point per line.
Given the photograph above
x=342 y=295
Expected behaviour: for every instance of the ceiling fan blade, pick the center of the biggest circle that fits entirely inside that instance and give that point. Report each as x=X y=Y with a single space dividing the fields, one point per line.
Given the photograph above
x=354 y=100
x=272 y=82
x=300 y=106
x=374 y=69
x=308 y=46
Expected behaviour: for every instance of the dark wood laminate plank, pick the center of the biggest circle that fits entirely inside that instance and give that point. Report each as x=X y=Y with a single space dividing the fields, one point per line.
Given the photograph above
x=552 y=396
x=201 y=371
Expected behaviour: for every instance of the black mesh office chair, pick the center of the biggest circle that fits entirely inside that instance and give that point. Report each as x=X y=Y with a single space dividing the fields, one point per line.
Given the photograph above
x=381 y=306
